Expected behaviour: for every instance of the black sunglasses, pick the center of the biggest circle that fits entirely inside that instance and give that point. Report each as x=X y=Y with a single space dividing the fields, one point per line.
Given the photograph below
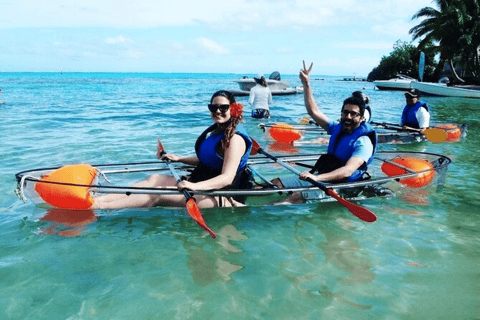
x=214 y=107
x=352 y=113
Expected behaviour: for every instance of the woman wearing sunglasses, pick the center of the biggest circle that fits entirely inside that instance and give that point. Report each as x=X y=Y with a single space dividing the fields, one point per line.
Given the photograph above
x=222 y=152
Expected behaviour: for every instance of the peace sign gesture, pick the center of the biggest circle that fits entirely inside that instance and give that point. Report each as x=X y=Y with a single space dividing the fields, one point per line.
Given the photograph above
x=305 y=73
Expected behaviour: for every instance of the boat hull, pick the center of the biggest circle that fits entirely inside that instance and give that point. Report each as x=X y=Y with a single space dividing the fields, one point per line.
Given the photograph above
x=393 y=84
x=247 y=84
x=441 y=90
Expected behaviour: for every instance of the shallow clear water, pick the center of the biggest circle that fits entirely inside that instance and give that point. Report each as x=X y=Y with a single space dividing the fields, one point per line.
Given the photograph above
x=312 y=261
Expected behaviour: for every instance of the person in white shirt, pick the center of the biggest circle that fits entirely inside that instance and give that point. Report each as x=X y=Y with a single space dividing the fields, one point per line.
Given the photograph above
x=260 y=98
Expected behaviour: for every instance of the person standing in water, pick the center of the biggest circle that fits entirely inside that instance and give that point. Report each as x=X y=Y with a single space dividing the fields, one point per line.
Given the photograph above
x=260 y=98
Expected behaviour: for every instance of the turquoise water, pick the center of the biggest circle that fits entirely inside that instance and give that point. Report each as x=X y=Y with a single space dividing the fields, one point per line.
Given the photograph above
x=313 y=261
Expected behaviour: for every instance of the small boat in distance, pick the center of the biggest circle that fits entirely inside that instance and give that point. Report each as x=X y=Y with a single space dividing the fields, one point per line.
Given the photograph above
x=274 y=82
x=401 y=82
x=442 y=90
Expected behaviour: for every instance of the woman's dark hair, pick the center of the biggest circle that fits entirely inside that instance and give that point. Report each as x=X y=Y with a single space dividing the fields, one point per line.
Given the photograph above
x=362 y=96
x=262 y=81
x=366 y=100
x=233 y=122
x=356 y=101
x=223 y=93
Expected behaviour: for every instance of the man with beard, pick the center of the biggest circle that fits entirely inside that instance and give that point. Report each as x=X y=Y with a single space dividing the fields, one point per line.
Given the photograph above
x=350 y=149
x=352 y=142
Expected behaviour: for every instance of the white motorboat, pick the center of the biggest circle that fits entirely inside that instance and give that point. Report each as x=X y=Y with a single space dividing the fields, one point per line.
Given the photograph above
x=401 y=82
x=274 y=82
x=441 y=89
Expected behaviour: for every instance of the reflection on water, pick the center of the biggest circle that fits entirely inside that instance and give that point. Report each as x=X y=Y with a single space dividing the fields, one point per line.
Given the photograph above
x=66 y=223
x=419 y=197
x=206 y=266
x=282 y=147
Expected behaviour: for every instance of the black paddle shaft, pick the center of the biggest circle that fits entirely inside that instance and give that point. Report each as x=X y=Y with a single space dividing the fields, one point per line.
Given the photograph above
x=294 y=170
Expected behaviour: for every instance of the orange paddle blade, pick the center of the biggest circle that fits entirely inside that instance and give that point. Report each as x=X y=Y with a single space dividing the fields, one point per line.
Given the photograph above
x=454 y=133
x=255 y=147
x=435 y=135
x=160 y=147
x=194 y=212
x=361 y=212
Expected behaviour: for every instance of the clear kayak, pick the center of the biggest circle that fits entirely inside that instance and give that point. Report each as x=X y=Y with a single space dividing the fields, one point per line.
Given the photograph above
x=389 y=133
x=389 y=168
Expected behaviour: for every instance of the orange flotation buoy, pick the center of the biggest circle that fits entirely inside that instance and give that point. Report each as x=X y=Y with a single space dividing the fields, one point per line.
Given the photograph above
x=417 y=165
x=284 y=133
x=66 y=196
x=453 y=132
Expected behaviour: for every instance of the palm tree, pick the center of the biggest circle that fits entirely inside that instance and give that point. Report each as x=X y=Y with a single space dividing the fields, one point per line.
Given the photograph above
x=470 y=40
x=445 y=26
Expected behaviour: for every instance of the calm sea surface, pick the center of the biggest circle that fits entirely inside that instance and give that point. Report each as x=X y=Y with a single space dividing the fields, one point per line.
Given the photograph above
x=420 y=260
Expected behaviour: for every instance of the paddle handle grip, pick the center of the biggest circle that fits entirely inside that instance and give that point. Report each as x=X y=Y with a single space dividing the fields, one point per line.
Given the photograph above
x=175 y=175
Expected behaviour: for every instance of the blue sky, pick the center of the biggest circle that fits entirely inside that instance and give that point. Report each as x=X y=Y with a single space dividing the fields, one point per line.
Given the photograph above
x=341 y=37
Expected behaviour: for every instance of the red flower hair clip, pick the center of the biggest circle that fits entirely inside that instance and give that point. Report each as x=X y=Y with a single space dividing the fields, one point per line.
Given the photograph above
x=236 y=109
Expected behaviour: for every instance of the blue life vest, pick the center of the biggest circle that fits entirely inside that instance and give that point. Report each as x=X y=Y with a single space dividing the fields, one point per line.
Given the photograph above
x=206 y=147
x=341 y=146
x=211 y=162
x=409 y=117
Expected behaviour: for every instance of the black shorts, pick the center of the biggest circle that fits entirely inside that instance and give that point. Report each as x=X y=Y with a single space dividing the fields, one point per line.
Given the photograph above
x=260 y=113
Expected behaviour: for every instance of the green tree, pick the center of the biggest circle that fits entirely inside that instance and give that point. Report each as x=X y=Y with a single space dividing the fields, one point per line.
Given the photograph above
x=470 y=40
x=403 y=59
x=454 y=29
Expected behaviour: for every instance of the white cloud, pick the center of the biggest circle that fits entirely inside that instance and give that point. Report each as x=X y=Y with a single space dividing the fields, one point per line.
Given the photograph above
x=270 y=34
x=237 y=14
x=118 y=40
x=365 y=45
x=396 y=28
x=211 y=46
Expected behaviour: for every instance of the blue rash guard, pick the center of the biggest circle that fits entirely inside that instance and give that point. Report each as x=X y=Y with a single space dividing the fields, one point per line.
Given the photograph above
x=342 y=147
x=211 y=162
x=409 y=117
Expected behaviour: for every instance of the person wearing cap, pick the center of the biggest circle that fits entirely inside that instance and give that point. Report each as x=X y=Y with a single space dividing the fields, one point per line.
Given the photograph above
x=260 y=98
x=415 y=115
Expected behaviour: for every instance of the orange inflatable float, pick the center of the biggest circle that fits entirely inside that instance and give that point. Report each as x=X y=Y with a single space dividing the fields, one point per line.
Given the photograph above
x=284 y=133
x=417 y=165
x=453 y=132
x=68 y=196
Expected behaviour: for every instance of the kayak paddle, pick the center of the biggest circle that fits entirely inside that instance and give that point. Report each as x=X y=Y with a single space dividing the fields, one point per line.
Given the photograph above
x=288 y=134
x=432 y=134
x=192 y=207
x=361 y=212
